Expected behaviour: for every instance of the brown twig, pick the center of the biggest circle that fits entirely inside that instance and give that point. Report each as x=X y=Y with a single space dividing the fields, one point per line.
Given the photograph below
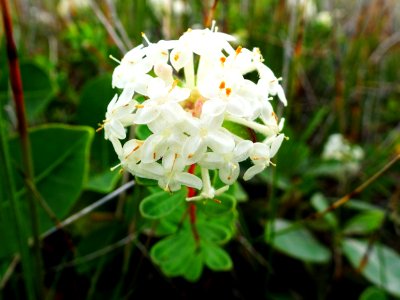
x=210 y=16
x=356 y=191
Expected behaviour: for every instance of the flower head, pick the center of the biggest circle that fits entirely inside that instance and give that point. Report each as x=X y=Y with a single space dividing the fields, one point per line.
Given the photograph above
x=185 y=91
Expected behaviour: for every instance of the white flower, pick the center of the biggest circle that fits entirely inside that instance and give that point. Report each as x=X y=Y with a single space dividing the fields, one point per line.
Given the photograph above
x=174 y=174
x=191 y=93
x=261 y=155
x=337 y=148
x=207 y=132
x=119 y=114
x=228 y=163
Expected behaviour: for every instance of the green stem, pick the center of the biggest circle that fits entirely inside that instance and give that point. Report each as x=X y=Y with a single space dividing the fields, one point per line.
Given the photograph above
x=8 y=192
x=16 y=85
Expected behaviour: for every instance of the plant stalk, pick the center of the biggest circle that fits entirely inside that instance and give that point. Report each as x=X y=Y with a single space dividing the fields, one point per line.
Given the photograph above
x=16 y=85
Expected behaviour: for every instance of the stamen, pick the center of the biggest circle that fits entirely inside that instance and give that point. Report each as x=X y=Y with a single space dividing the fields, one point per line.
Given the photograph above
x=238 y=50
x=114 y=59
x=228 y=91
x=176 y=56
x=145 y=38
x=213 y=25
x=139 y=105
x=222 y=59
x=222 y=85
x=101 y=126
x=134 y=149
x=275 y=116
x=113 y=168
x=174 y=84
x=217 y=201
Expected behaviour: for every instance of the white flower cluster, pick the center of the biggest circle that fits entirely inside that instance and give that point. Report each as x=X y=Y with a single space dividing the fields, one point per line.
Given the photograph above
x=337 y=148
x=186 y=114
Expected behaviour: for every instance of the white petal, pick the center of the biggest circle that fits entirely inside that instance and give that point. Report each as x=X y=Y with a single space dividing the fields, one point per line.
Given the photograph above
x=213 y=107
x=230 y=173
x=117 y=129
x=252 y=171
x=117 y=145
x=193 y=148
x=211 y=160
x=242 y=150
x=150 y=148
x=179 y=94
x=276 y=144
x=164 y=71
x=179 y=58
x=189 y=180
x=110 y=106
x=146 y=114
x=220 y=141
x=126 y=95
x=157 y=88
x=237 y=107
x=141 y=84
x=281 y=95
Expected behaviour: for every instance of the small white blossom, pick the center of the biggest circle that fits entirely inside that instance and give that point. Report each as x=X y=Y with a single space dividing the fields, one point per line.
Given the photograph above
x=188 y=106
x=337 y=148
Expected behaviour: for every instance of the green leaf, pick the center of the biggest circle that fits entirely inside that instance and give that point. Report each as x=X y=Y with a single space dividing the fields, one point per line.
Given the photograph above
x=195 y=267
x=164 y=249
x=104 y=182
x=214 y=232
x=240 y=130
x=212 y=208
x=373 y=293
x=170 y=224
x=383 y=265
x=174 y=253
x=365 y=222
x=142 y=132
x=161 y=204
x=297 y=242
x=60 y=155
x=320 y=203
x=93 y=101
x=38 y=89
x=216 y=258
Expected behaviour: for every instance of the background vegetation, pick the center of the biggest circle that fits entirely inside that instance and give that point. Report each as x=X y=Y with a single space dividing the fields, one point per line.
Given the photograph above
x=340 y=64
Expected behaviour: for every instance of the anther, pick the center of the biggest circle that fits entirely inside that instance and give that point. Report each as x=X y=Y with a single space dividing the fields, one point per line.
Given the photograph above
x=222 y=85
x=238 y=50
x=228 y=91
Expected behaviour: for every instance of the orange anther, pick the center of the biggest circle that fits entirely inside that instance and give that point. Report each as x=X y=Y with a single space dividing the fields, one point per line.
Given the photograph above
x=228 y=91
x=222 y=59
x=238 y=50
x=222 y=85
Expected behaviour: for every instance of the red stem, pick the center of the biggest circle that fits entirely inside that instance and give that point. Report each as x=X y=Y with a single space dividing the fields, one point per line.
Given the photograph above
x=192 y=209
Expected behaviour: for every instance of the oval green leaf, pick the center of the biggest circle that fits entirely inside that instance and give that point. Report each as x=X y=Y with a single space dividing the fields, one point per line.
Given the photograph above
x=214 y=232
x=365 y=222
x=216 y=258
x=224 y=204
x=161 y=204
x=297 y=242
x=383 y=265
